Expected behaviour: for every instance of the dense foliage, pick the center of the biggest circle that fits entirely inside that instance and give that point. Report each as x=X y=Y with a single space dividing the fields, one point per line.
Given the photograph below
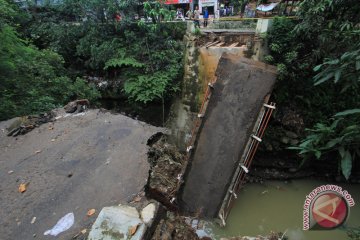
x=45 y=47
x=31 y=80
x=319 y=72
x=141 y=59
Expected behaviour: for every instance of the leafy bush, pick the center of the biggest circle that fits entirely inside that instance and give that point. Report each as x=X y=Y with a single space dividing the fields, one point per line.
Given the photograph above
x=124 y=52
x=32 y=80
x=321 y=49
x=341 y=136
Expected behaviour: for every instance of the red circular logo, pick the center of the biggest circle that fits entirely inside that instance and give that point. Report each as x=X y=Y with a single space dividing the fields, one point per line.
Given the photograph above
x=329 y=210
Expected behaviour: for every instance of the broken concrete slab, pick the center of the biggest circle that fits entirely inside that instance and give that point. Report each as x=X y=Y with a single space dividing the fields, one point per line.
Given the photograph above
x=236 y=100
x=79 y=162
x=115 y=223
x=148 y=213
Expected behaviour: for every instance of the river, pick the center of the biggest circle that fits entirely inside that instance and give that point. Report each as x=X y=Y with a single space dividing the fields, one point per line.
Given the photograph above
x=277 y=206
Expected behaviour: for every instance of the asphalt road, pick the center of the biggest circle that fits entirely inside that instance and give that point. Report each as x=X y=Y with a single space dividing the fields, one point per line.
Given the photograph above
x=86 y=161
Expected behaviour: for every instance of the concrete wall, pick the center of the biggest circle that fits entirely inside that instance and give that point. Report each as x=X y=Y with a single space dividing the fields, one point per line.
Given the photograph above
x=238 y=25
x=260 y=46
x=200 y=67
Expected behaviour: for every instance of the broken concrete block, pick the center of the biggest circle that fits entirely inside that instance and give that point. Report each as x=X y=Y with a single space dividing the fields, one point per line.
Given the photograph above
x=148 y=213
x=115 y=223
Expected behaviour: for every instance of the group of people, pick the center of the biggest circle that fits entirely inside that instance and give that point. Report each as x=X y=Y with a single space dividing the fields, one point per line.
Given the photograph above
x=250 y=9
x=225 y=11
x=195 y=16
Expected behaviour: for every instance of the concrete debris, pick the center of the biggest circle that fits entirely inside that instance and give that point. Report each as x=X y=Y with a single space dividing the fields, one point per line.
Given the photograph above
x=148 y=213
x=77 y=106
x=114 y=223
x=167 y=163
x=123 y=222
x=23 y=125
x=174 y=228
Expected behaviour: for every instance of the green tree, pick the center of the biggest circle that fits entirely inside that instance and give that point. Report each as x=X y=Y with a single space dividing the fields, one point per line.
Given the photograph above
x=321 y=49
x=31 y=80
x=141 y=60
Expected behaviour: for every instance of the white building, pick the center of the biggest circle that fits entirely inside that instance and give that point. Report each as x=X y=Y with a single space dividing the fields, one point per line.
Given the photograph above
x=26 y=3
x=212 y=6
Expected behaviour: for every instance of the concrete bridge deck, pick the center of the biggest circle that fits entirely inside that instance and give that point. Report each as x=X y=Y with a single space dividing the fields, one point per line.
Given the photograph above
x=236 y=101
x=239 y=31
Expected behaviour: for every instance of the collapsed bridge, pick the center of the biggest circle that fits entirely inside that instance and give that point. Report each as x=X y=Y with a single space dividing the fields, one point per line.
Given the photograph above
x=224 y=111
x=232 y=125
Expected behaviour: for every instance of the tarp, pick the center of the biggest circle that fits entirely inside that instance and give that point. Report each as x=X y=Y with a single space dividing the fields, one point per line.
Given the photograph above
x=177 y=1
x=267 y=7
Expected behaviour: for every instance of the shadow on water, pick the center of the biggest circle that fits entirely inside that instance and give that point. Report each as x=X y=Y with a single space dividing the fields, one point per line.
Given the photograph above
x=151 y=113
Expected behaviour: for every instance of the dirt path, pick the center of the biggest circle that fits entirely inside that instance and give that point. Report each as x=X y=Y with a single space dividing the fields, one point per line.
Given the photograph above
x=86 y=161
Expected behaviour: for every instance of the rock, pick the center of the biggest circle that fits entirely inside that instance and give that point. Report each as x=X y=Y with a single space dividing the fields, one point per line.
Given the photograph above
x=294 y=142
x=292 y=120
x=175 y=228
x=77 y=106
x=290 y=134
x=292 y=170
x=285 y=140
x=115 y=222
x=148 y=213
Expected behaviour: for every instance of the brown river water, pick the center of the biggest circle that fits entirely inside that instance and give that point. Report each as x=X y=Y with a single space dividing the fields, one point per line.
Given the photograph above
x=278 y=206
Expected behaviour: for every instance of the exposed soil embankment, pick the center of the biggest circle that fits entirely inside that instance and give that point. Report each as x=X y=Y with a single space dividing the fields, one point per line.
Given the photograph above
x=167 y=167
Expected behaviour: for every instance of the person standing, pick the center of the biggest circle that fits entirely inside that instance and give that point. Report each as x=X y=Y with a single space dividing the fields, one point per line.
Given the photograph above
x=197 y=17
x=252 y=9
x=188 y=14
x=206 y=17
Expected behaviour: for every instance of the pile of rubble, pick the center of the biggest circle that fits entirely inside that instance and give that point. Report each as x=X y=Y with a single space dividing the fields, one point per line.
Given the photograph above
x=174 y=228
x=167 y=167
x=25 y=124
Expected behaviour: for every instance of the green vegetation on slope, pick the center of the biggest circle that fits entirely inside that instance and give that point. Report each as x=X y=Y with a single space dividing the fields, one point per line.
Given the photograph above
x=143 y=60
x=31 y=80
x=51 y=45
x=319 y=72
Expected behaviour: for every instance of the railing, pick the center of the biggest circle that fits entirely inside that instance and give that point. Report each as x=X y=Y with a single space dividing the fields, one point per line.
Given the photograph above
x=246 y=160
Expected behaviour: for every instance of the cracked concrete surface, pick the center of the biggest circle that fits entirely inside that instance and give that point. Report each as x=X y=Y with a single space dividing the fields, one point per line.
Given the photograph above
x=86 y=161
x=237 y=98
